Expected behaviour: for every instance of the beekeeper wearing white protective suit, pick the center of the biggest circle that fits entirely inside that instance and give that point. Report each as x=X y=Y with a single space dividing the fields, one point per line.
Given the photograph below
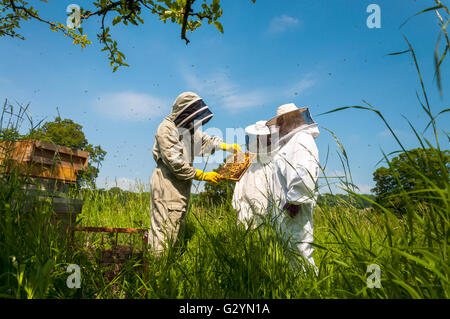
x=295 y=175
x=252 y=192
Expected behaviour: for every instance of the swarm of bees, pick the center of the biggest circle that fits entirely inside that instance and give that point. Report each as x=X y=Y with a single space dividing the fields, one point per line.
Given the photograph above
x=236 y=166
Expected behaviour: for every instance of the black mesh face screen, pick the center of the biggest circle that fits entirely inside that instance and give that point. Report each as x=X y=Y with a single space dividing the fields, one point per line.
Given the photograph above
x=185 y=118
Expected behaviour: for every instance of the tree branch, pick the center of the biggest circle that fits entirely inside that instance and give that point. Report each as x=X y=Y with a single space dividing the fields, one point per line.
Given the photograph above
x=103 y=39
x=187 y=11
x=31 y=14
x=101 y=11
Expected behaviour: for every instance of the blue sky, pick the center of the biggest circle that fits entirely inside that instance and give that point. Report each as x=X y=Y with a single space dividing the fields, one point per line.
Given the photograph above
x=313 y=53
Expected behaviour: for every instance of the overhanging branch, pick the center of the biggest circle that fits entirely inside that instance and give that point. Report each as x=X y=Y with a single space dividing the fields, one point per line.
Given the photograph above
x=187 y=11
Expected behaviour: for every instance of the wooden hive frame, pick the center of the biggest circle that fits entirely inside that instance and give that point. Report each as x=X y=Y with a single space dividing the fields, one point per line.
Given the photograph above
x=234 y=169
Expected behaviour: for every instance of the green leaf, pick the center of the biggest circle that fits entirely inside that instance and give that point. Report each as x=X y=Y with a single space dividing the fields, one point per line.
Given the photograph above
x=117 y=20
x=397 y=53
x=218 y=26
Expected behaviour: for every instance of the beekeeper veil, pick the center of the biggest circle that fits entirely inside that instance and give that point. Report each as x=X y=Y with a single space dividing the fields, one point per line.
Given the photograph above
x=189 y=111
x=290 y=120
x=258 y=140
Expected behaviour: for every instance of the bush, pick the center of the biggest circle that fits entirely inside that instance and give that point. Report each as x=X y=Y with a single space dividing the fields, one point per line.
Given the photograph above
x=410 y=178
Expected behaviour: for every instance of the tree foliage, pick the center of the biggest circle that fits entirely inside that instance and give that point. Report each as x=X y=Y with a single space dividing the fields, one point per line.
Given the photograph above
x=189 y=14
x=409 y=175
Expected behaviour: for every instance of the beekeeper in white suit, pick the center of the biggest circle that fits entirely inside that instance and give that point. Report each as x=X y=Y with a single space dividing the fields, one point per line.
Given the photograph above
x=295 y=175
x=252 y=192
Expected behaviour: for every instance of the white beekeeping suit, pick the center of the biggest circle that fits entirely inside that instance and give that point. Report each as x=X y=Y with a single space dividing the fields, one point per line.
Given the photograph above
x=295 y=175
x=251 y=194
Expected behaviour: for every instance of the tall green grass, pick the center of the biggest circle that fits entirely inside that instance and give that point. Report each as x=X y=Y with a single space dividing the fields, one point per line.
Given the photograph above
x=32 y=249
x=219 y=258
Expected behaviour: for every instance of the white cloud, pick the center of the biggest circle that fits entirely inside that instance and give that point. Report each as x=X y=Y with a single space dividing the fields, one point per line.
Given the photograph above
x=301 y=86
x=225 y=92
x=364 y=188
x=129 y=105
x=336 y=181
x=4 y=80
x=282 y=24
x=401 y=134
x=232 y=96
x=245 y=100
x=126 y=184
x=122 y=182
x=385 y=133
x=336 y=173
x=216 y=84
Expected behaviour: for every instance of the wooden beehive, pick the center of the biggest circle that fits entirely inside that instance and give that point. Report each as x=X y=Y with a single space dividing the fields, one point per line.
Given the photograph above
x=43 y=160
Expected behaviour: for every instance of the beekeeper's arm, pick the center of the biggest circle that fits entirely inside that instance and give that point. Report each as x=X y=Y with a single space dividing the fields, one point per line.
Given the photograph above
x=205 y=145
x=301 y=170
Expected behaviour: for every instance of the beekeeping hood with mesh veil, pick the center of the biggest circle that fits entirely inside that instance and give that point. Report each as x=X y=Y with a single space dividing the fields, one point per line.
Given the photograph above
x=189 y=111
x=257 y=139
x=289 y=121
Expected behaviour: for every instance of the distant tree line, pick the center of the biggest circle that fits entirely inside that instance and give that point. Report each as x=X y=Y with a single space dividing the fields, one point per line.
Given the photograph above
x=417 y=176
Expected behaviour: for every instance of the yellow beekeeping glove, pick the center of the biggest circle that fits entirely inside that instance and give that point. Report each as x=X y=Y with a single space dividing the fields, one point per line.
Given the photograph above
x=231 y=147
x=209 y=176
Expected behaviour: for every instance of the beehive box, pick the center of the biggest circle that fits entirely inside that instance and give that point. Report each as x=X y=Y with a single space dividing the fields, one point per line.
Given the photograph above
x=236 y=165
x=43 y=160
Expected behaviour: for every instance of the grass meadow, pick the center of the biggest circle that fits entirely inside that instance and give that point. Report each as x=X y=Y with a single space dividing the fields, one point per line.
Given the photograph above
x=219 y=258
